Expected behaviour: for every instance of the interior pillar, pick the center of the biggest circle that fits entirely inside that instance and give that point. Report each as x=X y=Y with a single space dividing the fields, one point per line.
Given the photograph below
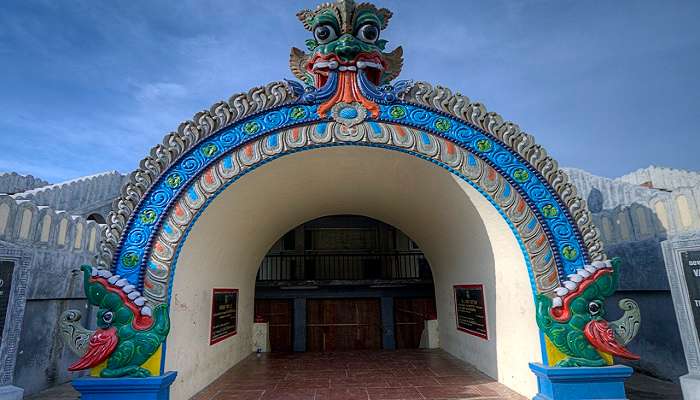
x=299 y=340
x=388 y=337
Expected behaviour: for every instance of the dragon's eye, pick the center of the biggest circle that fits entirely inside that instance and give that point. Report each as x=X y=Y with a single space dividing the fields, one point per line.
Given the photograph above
x=324 y=34
x=107 y=317
x=368 y=33
x=594 y=308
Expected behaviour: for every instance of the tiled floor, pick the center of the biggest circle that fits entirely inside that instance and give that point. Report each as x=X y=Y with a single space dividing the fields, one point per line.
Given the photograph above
x=371 y=375
x=383 y=375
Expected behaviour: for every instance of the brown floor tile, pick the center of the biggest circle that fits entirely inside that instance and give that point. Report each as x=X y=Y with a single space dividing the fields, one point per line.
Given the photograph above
x=364 y=381
x=358 y=375
x=323 y=383
x=413 y=381
x=404 y=393
x=342 y=394
x=290 y=394
x=449 y=392
x=238 y=395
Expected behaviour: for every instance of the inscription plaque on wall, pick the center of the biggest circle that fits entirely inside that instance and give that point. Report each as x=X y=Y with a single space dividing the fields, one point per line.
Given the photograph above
x=224 y=314
x=470 y=310
x=6 y=269
x=690 y=262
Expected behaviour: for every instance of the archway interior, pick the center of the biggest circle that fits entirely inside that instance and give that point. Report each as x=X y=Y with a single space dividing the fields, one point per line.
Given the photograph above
x=463 y=237
x=342 y=283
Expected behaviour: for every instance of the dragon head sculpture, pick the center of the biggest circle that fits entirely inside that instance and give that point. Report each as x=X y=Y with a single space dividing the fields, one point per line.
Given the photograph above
x=574 y=321
x=346 y=39
x=129 y=331
x=347 y=55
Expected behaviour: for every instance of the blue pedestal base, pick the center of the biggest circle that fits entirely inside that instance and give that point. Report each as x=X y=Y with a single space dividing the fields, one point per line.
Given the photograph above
x=152 y=388
x=555 y=383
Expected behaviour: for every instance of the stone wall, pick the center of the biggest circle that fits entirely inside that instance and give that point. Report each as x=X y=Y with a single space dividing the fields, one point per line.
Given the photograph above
x=630 y=212
x=59 y=243
x=82 y=196
x=634 y=214
x=662 y=178
x=12 y=182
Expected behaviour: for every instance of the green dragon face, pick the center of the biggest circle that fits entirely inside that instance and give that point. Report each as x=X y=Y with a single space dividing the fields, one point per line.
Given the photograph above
x=129 y=331
x=574 y=319
x=346 y=38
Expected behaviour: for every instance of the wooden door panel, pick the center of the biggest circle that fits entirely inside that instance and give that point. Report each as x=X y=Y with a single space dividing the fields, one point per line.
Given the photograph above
x=279 y=315
x=409 y=317
x=343 y=324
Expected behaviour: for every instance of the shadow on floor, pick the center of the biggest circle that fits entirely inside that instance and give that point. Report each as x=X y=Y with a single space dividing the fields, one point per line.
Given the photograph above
x=644 y=387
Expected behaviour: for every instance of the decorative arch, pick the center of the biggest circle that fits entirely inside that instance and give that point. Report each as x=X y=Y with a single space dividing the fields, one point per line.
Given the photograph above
x=349 y=101
x=163 y=199
x=552 y=224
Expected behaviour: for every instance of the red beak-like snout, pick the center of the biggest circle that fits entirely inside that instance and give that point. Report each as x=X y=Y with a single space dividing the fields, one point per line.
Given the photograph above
x=602 y=337
x=100 y=346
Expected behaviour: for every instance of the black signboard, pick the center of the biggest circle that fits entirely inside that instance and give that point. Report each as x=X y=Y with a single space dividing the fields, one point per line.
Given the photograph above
x=470 y=310
x=224 y=314
x=6 y=269
x=691 y=269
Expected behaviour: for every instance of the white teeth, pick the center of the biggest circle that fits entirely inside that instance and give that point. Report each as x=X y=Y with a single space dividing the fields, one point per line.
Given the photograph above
x=575 y=278
x=599 y=264
x=134 y=295
x=608 y=263
x=128 y=288
x=583 y=273
x=365 y=64
x=140 y=301
x=556 y=302
x=113 y=279
x=104 y=273
x=347 y=68
x=589 y=268
x=320 y=64
x=146 y=311
x=569 y=285
x=561 y=291
x=325 y=64
x=93 y=272
x=121 y=283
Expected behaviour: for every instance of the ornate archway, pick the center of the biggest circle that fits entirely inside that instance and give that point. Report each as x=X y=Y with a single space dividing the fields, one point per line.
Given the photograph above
x=349 y=101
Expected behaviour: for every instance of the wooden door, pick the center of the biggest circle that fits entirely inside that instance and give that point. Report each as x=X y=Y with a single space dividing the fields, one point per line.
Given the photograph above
x=279 y=315
x=409 y=317
x=343 y=324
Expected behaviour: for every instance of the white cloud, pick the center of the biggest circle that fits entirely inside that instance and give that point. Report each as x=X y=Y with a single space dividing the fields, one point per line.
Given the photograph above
x=160 y=91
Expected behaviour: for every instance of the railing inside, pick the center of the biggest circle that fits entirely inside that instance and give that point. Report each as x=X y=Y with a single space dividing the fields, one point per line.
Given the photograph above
x=344 y=266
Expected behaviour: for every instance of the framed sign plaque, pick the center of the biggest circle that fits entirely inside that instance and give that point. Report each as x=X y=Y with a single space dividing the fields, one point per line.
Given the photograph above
x=6 y=270
x=224 y=314
x=682 y=258
x=690 y=263
x=470 y=310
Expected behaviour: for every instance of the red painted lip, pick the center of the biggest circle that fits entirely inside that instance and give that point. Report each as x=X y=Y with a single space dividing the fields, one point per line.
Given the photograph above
x=321 y=74
x=602 y=338
x=101 y=345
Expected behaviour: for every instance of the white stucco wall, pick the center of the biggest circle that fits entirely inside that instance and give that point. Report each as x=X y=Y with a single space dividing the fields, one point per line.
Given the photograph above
x=454 y=226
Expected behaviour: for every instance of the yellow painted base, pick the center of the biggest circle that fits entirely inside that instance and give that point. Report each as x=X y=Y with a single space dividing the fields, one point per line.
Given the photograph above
x=152 y=364
x=554 y=355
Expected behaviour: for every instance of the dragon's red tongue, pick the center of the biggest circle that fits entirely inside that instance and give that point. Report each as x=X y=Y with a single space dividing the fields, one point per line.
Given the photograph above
x=602 y=337
x=100 y=346
x=348 y=92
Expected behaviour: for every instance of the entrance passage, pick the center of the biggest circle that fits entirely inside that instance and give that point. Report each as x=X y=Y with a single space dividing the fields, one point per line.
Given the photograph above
x=343 y=324
x=356 y=375
x=342 y=283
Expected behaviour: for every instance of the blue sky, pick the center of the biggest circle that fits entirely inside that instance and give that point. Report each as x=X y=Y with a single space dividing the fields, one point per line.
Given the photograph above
x=89 y=86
